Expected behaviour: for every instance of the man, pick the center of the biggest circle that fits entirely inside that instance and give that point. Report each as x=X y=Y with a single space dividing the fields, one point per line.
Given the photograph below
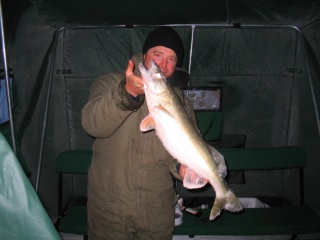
x=130 y=188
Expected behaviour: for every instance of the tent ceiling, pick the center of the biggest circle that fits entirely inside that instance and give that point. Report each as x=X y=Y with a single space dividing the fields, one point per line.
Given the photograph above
x=59 y=13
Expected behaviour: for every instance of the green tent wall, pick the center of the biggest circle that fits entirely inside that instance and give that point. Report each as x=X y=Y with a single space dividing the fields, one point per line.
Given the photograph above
x=265 y=53
x=22 y=214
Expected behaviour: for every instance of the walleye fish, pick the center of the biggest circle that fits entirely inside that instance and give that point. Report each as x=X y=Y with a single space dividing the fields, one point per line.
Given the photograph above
x=174 y=127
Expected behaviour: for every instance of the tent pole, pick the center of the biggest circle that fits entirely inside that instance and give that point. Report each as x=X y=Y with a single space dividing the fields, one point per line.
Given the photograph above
x=5 y=70
x=44 y=127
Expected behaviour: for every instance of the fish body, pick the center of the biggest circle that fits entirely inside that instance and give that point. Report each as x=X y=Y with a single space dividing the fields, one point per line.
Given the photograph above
x=181 y=138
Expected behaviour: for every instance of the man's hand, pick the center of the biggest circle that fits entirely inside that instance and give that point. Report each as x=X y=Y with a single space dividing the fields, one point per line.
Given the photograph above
x=134 y=83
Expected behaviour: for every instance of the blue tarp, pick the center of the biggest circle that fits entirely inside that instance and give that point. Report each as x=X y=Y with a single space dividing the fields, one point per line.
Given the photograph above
x=4 y=113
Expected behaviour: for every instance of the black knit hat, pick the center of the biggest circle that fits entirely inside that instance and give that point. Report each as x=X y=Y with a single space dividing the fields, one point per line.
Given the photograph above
x=166 y=37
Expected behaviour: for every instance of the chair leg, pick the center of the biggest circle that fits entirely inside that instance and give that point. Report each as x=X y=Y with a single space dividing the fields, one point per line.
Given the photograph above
x=60 y=213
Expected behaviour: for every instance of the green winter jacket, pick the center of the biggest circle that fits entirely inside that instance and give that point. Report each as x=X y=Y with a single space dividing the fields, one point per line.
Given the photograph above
x=129 y=167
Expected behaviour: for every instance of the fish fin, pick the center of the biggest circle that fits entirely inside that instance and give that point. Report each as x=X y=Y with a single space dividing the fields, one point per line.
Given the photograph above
x=162 y=109
x=191 y=180
x=147 y=124
x=220 y=162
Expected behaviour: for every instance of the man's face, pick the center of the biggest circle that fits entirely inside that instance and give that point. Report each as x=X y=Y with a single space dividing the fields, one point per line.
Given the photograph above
x=164 y=57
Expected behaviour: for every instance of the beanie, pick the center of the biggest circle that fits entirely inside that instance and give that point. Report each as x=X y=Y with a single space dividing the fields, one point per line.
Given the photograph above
x=166 y=37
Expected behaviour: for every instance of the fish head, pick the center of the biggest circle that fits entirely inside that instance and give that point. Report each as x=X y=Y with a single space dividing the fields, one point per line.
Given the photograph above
x=153 y=79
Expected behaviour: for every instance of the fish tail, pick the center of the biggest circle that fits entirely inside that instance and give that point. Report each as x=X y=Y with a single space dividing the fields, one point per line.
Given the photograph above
x=233 y=203
x=218 y=205
x=230 y=202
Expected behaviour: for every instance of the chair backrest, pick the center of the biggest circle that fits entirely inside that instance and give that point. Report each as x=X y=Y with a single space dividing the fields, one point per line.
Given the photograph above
x=252 y=159
x=264 y=158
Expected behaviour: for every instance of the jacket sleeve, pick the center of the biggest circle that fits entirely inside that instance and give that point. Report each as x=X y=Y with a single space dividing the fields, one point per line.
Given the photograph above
x=109 y=105
x=174 y=166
